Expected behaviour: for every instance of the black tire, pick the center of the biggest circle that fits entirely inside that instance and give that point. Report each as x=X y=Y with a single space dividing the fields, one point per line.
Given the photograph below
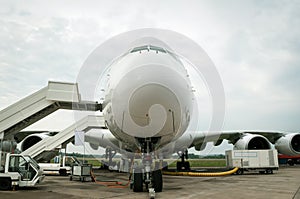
x=178 y=166
x=290 y=162
x=63 y=172
x=82 y=179
x=5 y=184
x=157 y=181
x=183 y=166
x=137 y=180
x=261 y=172
x=187 y=166
x=240 y=172
x=269 y=171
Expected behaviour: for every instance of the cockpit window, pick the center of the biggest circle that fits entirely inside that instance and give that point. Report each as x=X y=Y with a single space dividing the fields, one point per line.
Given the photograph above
x=148 y=48
x=140 y=48
x=155 y=48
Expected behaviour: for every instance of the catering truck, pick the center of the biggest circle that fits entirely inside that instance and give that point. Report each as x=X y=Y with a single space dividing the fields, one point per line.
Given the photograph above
x=19 y=171
x=264 y=161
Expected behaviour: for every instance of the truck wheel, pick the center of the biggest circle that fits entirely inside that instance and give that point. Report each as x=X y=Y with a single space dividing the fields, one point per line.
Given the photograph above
x=157 y=180
x=138 y=180
x=178 y=166
x=5 y=183
x=290 y=162
x=63 y=172
x=240 y=172
x=269 y=171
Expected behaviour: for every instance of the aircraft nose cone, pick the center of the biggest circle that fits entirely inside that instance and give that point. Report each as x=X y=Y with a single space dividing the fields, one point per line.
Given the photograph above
x=154 y=108
x=148 y=101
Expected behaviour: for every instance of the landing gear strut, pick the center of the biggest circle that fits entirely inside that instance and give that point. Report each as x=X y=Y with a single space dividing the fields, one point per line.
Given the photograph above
x=183 y=165
x=109 y=154
x=144 y=174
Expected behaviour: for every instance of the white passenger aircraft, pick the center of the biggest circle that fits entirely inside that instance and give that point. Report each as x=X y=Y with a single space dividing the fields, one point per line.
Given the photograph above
x=148 y=108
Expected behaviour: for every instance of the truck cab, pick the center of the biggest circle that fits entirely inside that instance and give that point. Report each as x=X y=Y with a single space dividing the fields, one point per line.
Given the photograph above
x=20 y=171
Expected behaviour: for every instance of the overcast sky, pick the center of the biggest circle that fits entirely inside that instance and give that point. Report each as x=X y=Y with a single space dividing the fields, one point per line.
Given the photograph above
x=255 y=46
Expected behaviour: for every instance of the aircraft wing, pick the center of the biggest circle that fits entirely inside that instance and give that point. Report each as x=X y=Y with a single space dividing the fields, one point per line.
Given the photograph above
x=105 y=139
x=272 y=136
x=286 y=143
x=233 y=136
x=202 y=138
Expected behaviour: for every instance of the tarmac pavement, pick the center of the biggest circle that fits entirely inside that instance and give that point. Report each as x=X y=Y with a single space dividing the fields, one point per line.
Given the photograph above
x=283 y=184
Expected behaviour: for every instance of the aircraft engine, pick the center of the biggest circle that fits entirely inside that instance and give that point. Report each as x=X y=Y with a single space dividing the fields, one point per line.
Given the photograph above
x=8 y=146
x=94 y=146
x=289 y=144
x=32 y=139
x=252 y=142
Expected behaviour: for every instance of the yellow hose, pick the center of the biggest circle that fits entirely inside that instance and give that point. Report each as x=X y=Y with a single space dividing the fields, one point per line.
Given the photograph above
x=200 y=174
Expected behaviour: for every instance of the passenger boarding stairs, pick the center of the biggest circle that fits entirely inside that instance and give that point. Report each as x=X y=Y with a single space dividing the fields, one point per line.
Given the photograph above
x=60 y=139
x=57 y=95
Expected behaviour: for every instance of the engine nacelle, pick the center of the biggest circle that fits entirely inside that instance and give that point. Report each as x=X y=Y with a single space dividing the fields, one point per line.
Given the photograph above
x=32 y=139
x=252 y=141
x=8 y=146
x=289 y=144
x=94 y=146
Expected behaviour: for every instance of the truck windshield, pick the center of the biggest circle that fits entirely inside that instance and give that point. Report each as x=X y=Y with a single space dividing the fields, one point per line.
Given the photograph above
x=76 y=160
x=32 y=161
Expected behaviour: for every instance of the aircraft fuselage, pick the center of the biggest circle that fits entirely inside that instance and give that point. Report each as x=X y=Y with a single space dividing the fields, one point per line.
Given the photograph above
x=148 y=95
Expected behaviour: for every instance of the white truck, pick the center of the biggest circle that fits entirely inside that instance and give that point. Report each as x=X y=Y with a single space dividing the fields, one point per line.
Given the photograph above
x=62 y=165
x=264 y=161
x=19 y=171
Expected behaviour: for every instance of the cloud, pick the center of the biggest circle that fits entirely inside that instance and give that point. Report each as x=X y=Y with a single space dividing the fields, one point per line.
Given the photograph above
x=259 y=63
x=254 y=45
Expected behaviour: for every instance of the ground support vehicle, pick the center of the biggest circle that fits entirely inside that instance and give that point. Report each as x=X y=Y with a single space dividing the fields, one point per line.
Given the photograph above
x=264 y=161
x=19 y=171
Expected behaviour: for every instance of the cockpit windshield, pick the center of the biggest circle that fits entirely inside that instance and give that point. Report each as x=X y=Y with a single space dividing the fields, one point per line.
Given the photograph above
x=148 y=48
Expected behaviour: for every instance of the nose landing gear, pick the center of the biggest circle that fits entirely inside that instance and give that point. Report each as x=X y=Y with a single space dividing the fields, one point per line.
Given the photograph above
x=144 y=173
